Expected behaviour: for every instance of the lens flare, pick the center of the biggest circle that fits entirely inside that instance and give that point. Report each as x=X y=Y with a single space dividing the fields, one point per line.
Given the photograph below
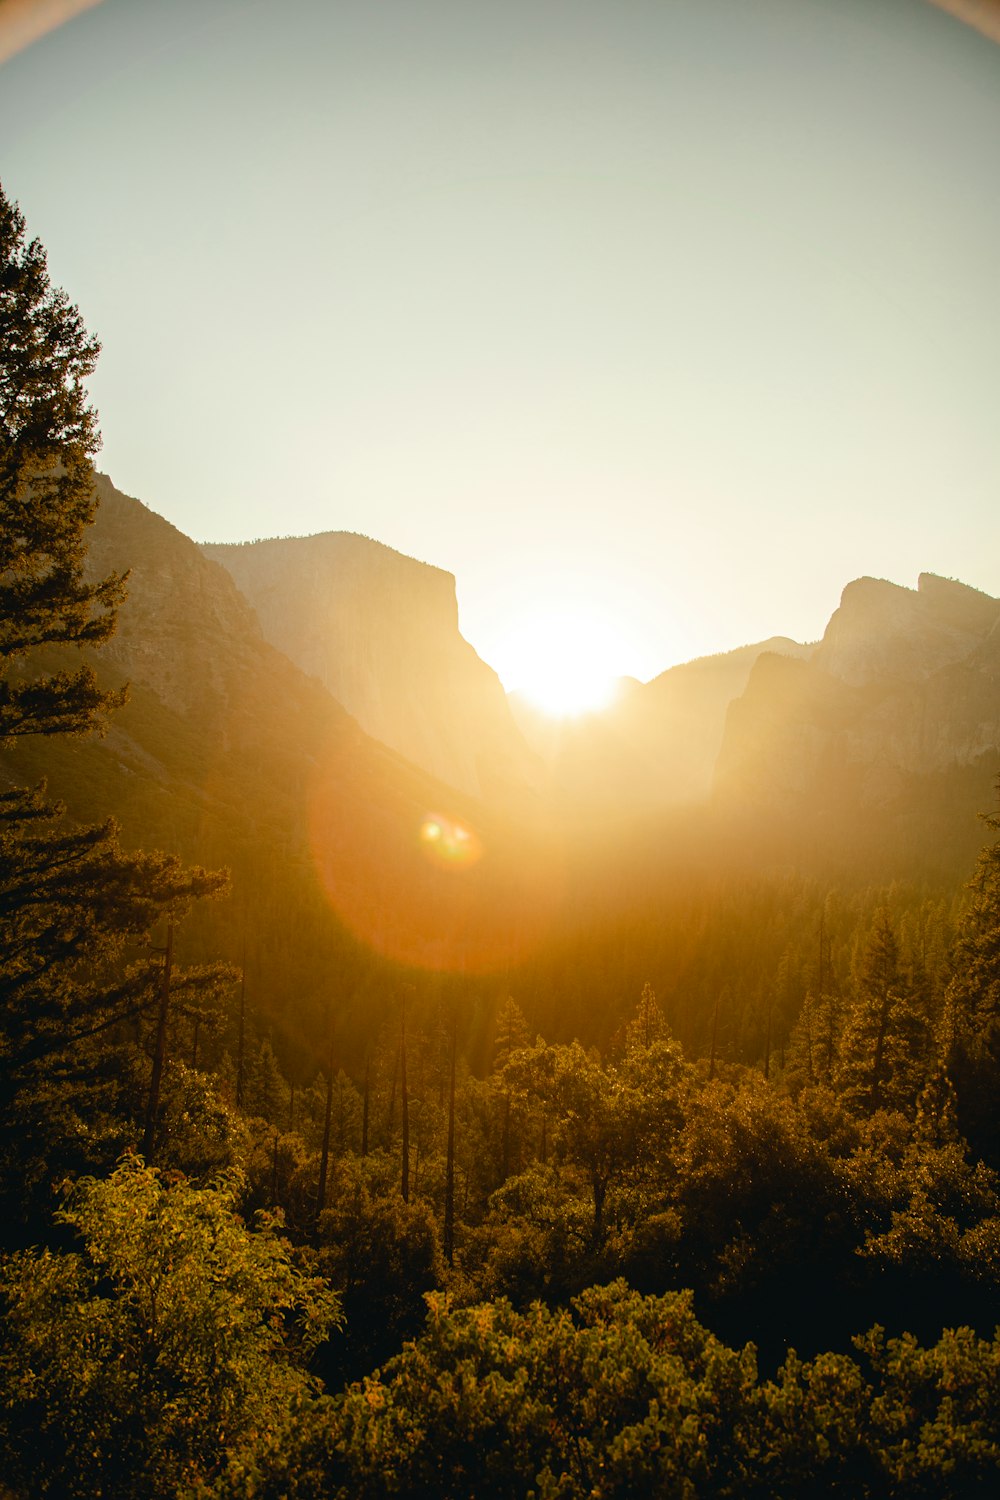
x=420 y=885
x=449 y=843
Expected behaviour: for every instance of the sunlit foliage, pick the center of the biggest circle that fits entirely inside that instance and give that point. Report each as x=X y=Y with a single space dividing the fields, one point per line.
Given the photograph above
x=157 y=1354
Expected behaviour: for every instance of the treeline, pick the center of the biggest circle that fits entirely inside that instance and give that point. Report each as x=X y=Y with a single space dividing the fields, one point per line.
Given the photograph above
x=531 y=1251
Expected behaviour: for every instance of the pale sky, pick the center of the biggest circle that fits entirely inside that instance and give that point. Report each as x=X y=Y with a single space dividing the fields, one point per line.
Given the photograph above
x=658 y=318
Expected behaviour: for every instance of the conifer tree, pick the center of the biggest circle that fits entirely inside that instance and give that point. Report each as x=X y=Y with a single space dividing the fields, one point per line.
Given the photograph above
x=975 y=989
x=48 y=437
x=972 y=1009
x=74 y=907
x=647 y=1024
x=886 y=1042
x=510 y=1032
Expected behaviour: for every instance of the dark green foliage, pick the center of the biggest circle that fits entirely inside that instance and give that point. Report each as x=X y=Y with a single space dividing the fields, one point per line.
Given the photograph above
x=73 y=902
x=757 y=1193
x=78 y=982
x=887 y=1042
x=972 y=1018
x=48 y=435
x=609 y=1124
x=381 y=1255
x=77 y=913
x=975 y=991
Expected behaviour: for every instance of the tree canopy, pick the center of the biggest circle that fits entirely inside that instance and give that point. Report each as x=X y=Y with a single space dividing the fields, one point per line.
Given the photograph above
x=48 y=437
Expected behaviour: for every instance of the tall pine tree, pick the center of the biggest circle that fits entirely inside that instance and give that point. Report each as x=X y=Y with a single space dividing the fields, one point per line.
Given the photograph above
x=48 y=437
x=886 y=1048
x=72 y=902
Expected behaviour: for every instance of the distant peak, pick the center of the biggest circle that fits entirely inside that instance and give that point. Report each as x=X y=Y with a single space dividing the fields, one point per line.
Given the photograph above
x=958 y=604
x=342 y=541
x=867 y=590
x=934 y=584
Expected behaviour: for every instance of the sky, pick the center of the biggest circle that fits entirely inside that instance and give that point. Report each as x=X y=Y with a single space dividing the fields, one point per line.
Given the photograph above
x=655 y=322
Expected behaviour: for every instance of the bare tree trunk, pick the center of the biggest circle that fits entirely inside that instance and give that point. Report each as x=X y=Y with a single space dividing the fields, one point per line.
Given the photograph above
x=449 y=1187
x=715 y=1033
x=364 y=1115
x=404 y=1107
x=505 y=1137
x=241 y=1043
x=879 y=1057
x=324 y=1158
x=160 y=1049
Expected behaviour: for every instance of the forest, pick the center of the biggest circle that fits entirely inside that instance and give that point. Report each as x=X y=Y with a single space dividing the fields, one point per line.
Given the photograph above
x=701 y=1198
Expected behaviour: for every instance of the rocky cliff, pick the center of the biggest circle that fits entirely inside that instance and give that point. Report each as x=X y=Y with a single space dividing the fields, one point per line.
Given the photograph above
x=882 y=631
x=895 y=714
x=656 y=747
x=380 y=631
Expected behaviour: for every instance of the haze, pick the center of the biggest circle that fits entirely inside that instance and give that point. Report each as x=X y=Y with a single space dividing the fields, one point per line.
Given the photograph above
x=667 y=318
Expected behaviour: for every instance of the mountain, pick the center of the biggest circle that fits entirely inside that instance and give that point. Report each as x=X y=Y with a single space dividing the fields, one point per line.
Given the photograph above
x=355 y=871
x=656 y=746
x=343 y=854
x=380 y=631
x=891 y=725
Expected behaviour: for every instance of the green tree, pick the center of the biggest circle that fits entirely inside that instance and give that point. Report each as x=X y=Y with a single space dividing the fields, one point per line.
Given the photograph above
x=48 y=436
x=757 y=1195
x=267 y=1090
x=162 y=1351
x=972 y=1010
x=381 y=1255
x=621 y=1395
x=72 y=902
x=75 y=908
x=647 y=1023
x=612 y=1124
x=886 y=1045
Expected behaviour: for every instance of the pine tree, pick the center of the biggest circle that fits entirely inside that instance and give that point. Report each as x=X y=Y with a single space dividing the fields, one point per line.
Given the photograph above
x=647 y=1023
x=48 y=436
x=975 y=989
x=885 y=1050
x=72 y=902
x=972 y=1009
x=511 y=1034
x=268 y=1091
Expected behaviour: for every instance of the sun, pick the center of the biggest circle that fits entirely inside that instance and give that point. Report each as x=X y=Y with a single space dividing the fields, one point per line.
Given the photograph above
x=566 y=660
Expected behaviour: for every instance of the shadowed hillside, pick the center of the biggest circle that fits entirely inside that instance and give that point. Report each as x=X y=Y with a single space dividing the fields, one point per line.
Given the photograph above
x=380 y=631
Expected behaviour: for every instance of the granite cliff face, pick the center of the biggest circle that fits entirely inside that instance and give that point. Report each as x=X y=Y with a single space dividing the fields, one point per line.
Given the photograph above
x=883 y=631
x=380 y=631
x=900 y=701
x=656 y=747
x=184 y=631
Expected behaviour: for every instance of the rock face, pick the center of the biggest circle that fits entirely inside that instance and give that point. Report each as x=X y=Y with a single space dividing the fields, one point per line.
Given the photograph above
x=681 y=715
x=884 y=631
x=657 y=746
x=184 y=631
x=899 y=702
x=380 y=631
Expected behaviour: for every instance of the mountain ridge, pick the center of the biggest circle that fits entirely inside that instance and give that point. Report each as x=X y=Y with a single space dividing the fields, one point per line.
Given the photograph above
x=380 y=630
